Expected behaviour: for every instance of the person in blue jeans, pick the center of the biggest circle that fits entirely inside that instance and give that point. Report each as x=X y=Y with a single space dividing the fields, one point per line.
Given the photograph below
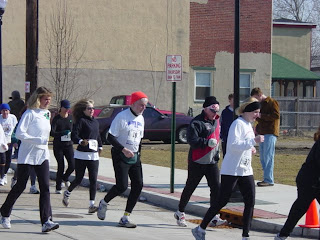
x=269 y=126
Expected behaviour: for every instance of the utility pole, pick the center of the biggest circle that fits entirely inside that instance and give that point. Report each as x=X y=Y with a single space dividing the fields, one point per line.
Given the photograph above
x=32 y=37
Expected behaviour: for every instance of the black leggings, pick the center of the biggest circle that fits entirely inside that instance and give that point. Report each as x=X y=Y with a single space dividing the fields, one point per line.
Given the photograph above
x=122 y=171
x=61 y=151
x=306 y=194
x=80 y=168
x=2 y=164
x=42 y=172
x=247 y=189
x=196 y=172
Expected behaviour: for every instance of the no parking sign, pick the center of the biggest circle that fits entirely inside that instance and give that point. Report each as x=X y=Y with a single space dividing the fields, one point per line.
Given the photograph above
x=174 y=68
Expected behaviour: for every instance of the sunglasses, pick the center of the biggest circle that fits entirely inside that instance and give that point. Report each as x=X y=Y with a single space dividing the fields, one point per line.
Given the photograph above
x=90 y=108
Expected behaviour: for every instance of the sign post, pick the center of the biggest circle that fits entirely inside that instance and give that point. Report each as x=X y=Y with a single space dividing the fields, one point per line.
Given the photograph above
x=174 y=74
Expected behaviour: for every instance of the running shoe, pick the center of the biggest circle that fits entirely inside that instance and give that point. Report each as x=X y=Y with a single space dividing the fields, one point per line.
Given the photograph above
x=125 y=222
x=5 y=222
x=34 y=190
x=66 y=198
x=101 y=213
x=217 y=221
x=181 y=218
x=49 y=226
x=279 y=238
x=197 y=234
x=92 y=209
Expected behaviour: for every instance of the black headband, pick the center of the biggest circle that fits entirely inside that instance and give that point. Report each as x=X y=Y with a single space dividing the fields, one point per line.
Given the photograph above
x=251 y=107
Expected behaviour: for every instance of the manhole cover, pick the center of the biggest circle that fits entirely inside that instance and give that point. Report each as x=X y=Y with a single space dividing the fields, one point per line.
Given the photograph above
x=61 y=215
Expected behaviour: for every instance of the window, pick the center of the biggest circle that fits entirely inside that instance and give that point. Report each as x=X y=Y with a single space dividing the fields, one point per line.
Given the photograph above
x=202 y=85
x=245 y=86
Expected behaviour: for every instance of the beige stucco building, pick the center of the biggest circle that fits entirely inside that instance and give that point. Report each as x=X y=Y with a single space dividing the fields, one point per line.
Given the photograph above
x=123 y=46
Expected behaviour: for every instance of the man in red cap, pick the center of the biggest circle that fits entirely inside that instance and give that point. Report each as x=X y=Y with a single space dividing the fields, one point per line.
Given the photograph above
x=125 y=134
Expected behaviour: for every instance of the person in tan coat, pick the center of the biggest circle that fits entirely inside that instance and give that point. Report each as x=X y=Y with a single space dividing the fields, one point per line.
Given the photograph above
x=269 y=126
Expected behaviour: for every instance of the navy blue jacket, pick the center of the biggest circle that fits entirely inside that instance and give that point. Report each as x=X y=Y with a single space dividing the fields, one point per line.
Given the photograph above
x=226 y=120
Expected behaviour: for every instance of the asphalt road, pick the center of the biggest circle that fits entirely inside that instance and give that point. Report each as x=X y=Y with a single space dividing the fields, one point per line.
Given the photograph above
x=154 y=223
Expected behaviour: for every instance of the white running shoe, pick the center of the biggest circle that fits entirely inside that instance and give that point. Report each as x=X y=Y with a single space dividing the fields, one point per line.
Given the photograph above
x=125 y=222
x=5 y=222
x=49 y=226
x=13 y=182
x=245 y=238
x=181 y=218
x=101 y=213
x=5 y=180
x=217 y=221
x=66 y=198
x=198 y=235
x=1 y=182
x=279 y=238
x=66 y=184
x=58 y=191
x=34 y=190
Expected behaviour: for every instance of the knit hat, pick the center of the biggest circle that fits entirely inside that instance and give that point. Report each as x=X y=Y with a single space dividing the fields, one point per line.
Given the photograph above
x=5 y=106
x=137 y=96
x=15 y=95
x=248 y=105
x=209 y=101
x=65 y=103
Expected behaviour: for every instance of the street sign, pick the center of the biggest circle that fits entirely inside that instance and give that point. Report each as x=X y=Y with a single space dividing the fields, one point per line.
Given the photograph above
x=27 y=87
x=174 y=68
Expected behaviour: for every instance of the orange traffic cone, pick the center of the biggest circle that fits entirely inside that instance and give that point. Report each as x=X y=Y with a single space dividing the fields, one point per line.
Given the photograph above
x=312 y=217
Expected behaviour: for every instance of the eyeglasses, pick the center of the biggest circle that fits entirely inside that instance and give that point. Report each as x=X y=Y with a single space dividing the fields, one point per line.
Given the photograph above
x=90 y=108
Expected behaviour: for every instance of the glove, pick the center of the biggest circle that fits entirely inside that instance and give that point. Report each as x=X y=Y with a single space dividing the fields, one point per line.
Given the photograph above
x=84 y=142
x=212 y=142
x=65 y=132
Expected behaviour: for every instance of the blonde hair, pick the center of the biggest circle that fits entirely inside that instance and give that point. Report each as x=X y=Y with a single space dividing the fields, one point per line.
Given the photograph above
x=245 y=103
x=79 y=107
x=34 y=100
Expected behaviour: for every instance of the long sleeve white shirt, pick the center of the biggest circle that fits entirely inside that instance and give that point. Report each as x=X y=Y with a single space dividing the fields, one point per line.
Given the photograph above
x=8 y=125
x=3 y=141
x=33 y=130
x=237 y=161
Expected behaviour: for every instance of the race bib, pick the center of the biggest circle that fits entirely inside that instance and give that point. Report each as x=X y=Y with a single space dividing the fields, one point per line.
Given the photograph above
x=93 y=144
x=66 y=138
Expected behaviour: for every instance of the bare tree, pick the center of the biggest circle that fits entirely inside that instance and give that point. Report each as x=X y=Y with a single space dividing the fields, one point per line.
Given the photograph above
x=63 y=55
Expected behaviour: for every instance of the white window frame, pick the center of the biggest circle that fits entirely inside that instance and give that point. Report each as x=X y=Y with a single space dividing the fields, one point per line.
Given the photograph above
x=195 y=84
x=250 y=82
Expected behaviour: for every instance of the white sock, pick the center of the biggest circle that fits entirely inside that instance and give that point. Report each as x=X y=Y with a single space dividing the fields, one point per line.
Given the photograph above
x=91 y=203
x=201 y=229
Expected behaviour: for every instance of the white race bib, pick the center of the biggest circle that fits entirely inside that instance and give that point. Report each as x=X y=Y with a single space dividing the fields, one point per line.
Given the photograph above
x=93 y=144
x=66 y=138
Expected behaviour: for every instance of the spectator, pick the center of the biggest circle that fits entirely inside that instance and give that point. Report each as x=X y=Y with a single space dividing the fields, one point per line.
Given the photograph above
x=226 y=119
x=236 y=168
x=269 y=126
x=203 y=137
x=33 y=130
x=16 y=104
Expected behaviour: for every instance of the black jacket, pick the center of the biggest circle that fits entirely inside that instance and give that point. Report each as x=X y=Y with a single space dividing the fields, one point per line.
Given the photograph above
x=86 y=128
x=58 y=126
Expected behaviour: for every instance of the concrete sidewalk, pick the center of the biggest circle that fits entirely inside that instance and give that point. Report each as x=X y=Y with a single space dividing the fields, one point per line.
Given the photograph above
x=271 y=208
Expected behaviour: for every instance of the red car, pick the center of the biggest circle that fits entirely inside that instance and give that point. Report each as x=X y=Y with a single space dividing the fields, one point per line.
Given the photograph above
x=157 y=124
x=126 y=100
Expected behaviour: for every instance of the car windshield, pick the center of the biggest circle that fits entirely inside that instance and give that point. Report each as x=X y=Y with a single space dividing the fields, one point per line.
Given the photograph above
x=106 y=112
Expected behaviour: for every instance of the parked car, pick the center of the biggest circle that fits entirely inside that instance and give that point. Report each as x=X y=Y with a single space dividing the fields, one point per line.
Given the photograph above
x=157 y=125
x=126 y=100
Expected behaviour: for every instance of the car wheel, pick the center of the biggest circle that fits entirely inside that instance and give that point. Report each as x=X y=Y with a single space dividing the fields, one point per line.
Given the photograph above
x=182 y=135
x=104 y=136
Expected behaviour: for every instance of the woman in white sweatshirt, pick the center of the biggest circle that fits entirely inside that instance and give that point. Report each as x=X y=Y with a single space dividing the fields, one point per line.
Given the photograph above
x=236 y=167
x=33 y=130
